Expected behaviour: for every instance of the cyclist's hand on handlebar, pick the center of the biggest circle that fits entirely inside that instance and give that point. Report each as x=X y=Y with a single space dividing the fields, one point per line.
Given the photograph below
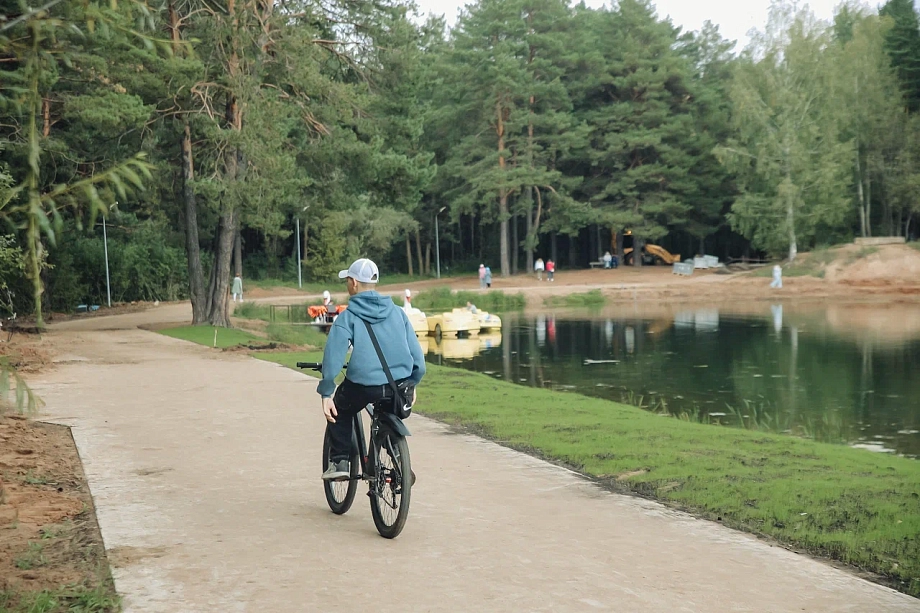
x=414 y=395
x=329 y=410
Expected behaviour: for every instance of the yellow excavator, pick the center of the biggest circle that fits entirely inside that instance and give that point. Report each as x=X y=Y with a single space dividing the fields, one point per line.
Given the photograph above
x=656 y=251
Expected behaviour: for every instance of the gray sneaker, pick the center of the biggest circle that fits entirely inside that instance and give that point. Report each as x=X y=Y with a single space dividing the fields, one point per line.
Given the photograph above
x=337 y=471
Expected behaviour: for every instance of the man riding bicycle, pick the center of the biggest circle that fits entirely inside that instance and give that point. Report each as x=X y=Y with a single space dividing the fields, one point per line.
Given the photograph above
x=365 y=380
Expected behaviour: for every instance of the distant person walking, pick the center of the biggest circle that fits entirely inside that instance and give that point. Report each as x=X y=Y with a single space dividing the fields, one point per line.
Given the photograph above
x=777 y=277
x=488 y=277
x=550 y=269
x=539 y=267
x=482 y=276
x=237 y=289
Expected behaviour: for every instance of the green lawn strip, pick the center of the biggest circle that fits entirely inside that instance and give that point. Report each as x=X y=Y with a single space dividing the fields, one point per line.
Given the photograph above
x=594 y=298
x=204 y=335
x=847 y=504
x=443 y=299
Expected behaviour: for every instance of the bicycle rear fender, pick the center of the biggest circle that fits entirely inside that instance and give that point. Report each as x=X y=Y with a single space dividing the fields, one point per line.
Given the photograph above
x=394 y=423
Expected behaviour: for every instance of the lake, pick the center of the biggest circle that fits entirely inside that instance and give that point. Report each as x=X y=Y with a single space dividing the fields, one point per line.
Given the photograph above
x=847 y=374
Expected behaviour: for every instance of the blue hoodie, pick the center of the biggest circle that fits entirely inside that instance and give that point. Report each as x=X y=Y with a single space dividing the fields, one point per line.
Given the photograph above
x=394 y=333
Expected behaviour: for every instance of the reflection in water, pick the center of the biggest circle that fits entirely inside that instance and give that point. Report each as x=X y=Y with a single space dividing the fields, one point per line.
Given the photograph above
x=777 y=372
x=777 y=310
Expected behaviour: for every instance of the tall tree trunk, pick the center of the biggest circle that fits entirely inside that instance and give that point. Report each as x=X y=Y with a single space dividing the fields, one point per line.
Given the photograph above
x=529 y=243
x=473 y=235
x=196 y=289
x=863 y=222
x=790 y=222
x=514 y=244
x=868 y=206
x=638 y=243
x=428 y=259
x=530 y=238
x=219 y=286
x=219 y=312
x=553 y=246
x=618 y=239
x=502 y=192
x=418 y=251
x=46 y=117
x=238 y=251
x=574 y=254
x=409 y=255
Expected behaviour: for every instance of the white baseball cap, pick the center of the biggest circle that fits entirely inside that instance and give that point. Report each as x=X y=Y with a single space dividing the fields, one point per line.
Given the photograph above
x=363 y=271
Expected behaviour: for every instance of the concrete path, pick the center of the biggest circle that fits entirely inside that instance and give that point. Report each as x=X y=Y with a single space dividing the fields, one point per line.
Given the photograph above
x=205 y=469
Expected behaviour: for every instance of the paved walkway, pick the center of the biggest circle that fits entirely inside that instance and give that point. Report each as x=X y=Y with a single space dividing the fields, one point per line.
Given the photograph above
x=205 y=468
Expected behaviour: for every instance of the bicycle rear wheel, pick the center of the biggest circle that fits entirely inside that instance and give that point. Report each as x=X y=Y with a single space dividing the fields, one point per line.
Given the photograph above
x=340 y=494
x=392 y=489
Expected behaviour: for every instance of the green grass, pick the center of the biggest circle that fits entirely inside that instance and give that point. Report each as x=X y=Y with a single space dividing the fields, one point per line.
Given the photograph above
x=253 y=310
x=914 y=245
x=204 y=335
x=33 y=558
x=847 y=504
x=594 y=298
x=79 y=599
x=442 y=299
x=296 y=335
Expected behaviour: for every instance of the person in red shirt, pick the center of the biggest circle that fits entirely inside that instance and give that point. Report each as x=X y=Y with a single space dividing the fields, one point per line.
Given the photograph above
x=550 y=269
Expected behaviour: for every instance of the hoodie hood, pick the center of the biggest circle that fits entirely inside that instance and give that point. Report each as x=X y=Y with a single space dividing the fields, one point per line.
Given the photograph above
x=370 y=306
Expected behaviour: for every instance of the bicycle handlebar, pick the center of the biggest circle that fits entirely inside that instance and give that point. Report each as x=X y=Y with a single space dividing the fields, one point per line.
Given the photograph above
x=317 y=366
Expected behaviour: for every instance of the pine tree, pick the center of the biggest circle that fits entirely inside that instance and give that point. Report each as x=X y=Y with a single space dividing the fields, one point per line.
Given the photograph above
x=902 y=43
x=634 y=92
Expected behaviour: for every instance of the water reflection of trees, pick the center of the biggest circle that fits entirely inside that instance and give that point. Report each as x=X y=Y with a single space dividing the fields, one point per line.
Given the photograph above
x=802 y=379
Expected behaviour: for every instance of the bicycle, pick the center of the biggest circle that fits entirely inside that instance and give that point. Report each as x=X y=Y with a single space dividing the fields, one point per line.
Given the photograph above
x=384 y=467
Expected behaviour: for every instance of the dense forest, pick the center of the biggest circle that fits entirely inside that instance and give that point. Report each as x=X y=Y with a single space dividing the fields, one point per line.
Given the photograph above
x=204 y=132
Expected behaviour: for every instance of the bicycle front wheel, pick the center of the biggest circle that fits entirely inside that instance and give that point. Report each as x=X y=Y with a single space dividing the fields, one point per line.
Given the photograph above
x=340 y=494
x=392 y=488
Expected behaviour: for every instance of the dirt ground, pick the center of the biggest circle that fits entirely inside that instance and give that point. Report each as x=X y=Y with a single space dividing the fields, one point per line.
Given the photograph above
x=889 y=273
x=49 y=537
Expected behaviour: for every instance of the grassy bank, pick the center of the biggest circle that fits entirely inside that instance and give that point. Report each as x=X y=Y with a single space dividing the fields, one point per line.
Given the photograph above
x=205 y=335
x=231 y=337
x=443 y=299
x=594 y=298
x=850 y=505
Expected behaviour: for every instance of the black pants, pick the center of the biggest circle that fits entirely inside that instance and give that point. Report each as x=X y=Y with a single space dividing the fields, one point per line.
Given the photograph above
x=350 y=399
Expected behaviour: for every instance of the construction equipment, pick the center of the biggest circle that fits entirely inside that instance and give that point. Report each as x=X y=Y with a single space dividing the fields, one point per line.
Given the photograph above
x=657 y=252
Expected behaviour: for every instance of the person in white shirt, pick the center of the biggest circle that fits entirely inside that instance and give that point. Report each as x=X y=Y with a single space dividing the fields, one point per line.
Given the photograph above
x=777 y=277
x=539 y=267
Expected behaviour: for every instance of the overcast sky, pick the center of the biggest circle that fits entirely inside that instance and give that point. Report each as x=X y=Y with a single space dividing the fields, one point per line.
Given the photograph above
x=734 y=17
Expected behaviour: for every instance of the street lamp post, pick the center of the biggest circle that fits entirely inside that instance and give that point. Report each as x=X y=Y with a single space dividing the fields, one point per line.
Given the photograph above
x=105 y=244
x=437 y=241
x=299 y=266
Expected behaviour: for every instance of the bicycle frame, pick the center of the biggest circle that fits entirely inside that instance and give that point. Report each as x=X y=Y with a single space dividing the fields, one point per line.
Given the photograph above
x=369 y=449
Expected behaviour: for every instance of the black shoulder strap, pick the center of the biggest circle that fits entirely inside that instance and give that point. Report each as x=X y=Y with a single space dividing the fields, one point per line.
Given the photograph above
x=383 y=361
